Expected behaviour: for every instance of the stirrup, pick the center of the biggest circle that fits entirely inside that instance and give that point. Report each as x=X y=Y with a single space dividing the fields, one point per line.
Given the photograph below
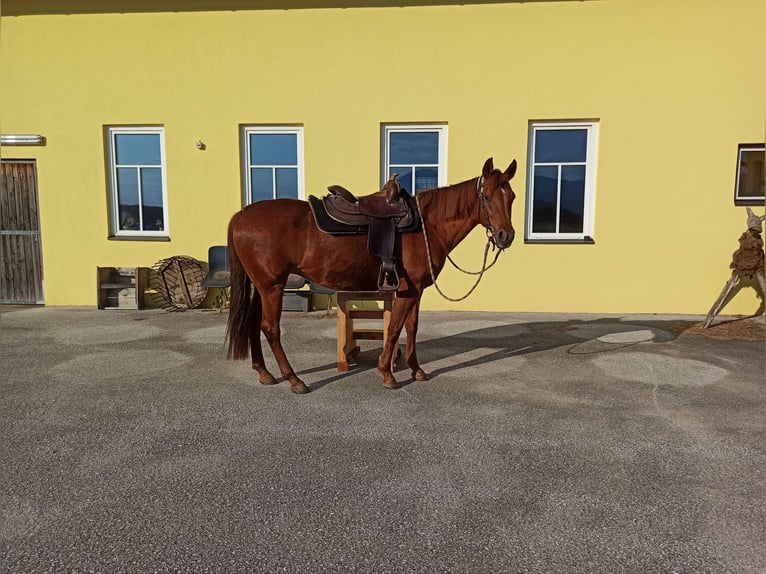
x=383 y=283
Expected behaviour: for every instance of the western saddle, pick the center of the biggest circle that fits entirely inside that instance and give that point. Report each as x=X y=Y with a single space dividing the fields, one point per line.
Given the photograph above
x=380 y=215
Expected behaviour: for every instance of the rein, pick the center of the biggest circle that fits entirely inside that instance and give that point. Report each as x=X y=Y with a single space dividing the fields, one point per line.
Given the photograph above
x=490 y=241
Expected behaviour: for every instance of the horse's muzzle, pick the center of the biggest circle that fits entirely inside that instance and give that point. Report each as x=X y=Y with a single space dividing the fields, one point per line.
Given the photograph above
x=504 y=238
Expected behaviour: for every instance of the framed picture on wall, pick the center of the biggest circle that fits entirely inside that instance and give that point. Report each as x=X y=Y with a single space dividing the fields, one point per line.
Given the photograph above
x=749 y=185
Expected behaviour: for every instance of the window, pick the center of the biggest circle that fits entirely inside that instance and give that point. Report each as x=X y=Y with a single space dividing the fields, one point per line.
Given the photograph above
x=417 y=153
x=138 y=195
x=560 y=181
x=749 y=187
x=272 y=162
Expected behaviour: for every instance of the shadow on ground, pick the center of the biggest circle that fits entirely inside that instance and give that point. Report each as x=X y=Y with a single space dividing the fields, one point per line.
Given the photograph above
x=577 y=337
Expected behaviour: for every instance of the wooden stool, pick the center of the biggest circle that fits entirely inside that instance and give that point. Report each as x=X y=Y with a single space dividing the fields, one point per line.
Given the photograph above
x=347 y=335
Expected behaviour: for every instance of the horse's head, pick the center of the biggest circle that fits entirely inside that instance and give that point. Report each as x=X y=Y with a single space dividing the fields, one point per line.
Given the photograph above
x=495 y=201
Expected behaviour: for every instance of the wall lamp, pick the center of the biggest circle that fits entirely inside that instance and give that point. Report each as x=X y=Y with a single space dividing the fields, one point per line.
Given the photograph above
x=22 y=139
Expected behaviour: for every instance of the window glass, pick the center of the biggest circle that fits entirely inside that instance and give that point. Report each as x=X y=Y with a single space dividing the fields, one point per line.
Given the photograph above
x=426 y=178
x=273 y=149
x=417 y=154
x=127 y=186
x=558 y=146
x=137 y=149
x=414 y=148
x=749 y=187
x=560 y=195
x=261 y=184
x=137 y=190
x=127 y=199
x=273 y=163
x=287 y=182
x=151 y=186
x=152 y=212
x=544 y=202
x=572 y=198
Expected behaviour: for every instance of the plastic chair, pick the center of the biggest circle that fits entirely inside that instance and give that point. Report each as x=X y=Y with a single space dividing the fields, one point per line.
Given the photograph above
x=294 y=282
x=218 y=274
x=321 y=290
x=294 y=297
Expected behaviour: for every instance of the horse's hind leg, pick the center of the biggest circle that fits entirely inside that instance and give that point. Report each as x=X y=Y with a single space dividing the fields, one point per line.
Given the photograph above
x=271 y=313
x=256 y=350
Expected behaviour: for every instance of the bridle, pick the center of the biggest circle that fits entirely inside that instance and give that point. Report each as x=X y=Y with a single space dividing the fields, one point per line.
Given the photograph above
x=483 y=207
x=490 y=241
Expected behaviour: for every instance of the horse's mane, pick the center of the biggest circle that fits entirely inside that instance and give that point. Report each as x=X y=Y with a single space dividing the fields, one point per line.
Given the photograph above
x=450 y=202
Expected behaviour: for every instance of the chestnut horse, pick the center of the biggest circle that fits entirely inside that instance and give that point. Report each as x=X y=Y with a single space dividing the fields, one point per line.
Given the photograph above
x=270 y=239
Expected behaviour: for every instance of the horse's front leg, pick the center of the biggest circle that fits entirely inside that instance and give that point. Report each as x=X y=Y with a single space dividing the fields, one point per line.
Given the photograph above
x=410 y=355
x=271 y=314
x=400 y=310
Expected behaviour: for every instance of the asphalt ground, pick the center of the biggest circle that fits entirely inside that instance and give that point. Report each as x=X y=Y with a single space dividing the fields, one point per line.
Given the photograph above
x=542 y=443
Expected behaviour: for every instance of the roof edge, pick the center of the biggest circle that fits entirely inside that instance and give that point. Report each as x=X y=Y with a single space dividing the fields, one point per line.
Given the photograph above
x=65 y=7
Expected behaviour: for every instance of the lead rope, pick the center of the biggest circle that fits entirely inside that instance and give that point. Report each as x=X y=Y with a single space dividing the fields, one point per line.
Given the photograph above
x=431 y=269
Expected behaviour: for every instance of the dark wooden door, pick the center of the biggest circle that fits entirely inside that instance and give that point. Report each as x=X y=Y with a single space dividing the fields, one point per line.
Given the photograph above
x=21 y=268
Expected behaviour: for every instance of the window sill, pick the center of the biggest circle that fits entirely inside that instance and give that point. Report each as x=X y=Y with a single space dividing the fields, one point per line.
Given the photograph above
x=138 y=238
x=554 y=241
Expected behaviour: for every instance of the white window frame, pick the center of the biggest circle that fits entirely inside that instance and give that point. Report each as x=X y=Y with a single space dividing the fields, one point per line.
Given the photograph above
x=386 y=132
x=116 y=231
x=247 y=192
x=589 y=207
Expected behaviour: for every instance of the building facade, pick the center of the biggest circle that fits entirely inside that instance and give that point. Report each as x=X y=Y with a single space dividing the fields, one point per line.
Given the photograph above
x=159 y=120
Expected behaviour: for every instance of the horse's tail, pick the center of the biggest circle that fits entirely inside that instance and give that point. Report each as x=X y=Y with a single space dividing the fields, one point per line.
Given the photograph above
x=243 y=303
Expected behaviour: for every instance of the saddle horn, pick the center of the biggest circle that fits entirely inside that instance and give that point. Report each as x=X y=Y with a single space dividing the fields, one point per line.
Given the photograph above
x=393 y=189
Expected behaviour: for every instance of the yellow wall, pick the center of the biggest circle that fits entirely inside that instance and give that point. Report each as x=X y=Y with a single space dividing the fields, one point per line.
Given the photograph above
x=672 y=84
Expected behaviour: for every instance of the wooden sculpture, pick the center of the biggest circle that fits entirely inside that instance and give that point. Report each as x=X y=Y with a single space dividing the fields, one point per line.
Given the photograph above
x=747 y=261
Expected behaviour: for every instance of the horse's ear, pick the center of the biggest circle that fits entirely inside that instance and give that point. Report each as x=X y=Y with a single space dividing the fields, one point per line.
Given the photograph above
x=511 y=171
x=489 y=167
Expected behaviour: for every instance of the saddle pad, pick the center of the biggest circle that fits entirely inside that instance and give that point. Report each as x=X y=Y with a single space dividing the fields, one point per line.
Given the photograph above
x=329 y=225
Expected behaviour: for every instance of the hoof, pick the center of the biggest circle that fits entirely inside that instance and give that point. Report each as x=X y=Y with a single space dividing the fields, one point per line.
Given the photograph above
x=268 y=380
x=300 y=388
x=392 y=384
x=419 y=375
